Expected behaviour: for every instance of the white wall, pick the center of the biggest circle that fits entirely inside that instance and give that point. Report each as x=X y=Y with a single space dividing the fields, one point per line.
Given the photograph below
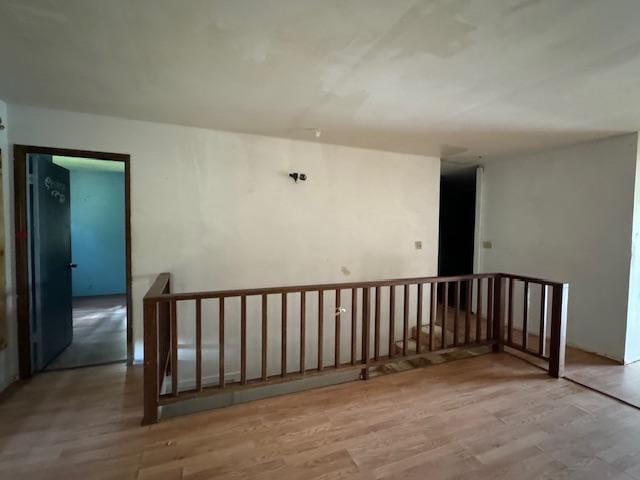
x=632 y=343
x=218 y=210
x=566 y=215
x=9 y=356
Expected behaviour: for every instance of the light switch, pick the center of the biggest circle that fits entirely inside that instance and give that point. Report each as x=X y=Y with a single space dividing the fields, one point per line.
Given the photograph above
x=418 y=244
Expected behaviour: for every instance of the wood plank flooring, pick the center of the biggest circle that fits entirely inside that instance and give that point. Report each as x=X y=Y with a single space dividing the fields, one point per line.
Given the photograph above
x=489 y=417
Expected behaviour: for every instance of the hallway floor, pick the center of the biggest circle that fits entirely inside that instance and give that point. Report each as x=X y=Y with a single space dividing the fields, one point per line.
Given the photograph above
x=489 y=417
x=598 y=373
x=99 y=333
x=608 y=376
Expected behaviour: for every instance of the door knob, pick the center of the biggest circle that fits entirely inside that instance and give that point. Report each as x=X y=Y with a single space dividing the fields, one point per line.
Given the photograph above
x=73 y=265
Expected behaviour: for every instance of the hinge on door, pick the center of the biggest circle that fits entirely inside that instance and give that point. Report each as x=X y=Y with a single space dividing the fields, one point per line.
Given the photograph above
x=30 y=179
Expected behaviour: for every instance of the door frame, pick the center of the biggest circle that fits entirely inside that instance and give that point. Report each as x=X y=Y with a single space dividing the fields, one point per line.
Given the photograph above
x=20 y=153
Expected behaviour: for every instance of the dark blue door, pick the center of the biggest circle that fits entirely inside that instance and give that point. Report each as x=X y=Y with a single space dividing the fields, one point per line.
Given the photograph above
x=52 y=324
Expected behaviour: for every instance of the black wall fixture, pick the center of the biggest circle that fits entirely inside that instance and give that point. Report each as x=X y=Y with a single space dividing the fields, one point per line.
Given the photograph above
x=298 y=176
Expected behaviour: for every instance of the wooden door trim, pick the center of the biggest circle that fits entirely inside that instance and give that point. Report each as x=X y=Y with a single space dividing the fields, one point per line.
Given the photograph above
x=20 y=153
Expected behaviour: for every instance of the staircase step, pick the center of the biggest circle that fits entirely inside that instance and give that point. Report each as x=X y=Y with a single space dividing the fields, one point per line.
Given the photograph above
x=412 y=347
x=424 y=339
x=424 y=333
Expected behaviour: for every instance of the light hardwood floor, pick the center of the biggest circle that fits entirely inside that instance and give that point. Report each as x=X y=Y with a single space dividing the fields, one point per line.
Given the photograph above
x=489 y=417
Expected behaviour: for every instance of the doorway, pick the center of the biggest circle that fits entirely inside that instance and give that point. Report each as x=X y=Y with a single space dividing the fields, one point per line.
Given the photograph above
x=457 y=225
x=73 y=262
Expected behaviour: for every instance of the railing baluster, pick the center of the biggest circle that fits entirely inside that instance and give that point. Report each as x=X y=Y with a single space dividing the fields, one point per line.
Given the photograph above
x=479 y=312
x=354 y=324
x=376 y=346
x=303 y=330
x=419 y=317
x=543 y=319
x=221 y=343
x=559 y=307
x=264 y=337
x=490 y=284
x=433 y=314
x=152 y=380
x=498 y=314
x=198 y=345
x=320 y=330
x=510 y=313
x=456 y=318
x=392 y=321
x=338 y=315
x=163 y=325
x=445 y=311
x=174 y=348
x=525 y=316
x=467 y=316
x=366 y=329
x=405 y=324
x=283 y=342
x=365 y=324
x=243 y=339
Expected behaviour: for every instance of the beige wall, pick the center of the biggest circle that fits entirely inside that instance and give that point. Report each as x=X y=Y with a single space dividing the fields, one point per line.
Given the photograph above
x=218 y=210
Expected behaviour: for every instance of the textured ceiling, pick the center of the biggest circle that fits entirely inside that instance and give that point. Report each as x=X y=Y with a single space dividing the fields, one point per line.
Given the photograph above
x=458 y=79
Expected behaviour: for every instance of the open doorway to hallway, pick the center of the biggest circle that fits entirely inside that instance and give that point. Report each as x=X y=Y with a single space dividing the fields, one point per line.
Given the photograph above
x=72 y=258
x=457 y=227
x=457 y=222
x=98 y=277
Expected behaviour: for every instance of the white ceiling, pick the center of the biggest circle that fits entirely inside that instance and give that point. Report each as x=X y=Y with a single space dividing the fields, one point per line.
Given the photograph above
x=457 y=79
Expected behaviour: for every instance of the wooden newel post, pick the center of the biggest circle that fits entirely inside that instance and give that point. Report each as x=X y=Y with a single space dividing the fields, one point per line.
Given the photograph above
x=498 y=314
x=151 y=378
x=559 y=308
x=366 y=320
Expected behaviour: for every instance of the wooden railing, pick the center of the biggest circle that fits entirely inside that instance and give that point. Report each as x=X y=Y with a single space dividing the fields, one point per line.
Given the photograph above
x=416 y=315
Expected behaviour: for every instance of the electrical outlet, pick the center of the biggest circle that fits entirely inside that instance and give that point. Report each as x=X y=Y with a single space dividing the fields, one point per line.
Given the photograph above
x=487 y=245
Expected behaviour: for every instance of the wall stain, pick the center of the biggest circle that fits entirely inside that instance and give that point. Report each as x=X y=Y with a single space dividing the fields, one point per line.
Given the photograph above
x=521 y=6
x=450 y=150
x=438 y=29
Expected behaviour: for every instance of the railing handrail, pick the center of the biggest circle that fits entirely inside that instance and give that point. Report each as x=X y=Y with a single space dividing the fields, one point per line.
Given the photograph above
x=154 y=293
x=525 y=278
x=158 y=286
